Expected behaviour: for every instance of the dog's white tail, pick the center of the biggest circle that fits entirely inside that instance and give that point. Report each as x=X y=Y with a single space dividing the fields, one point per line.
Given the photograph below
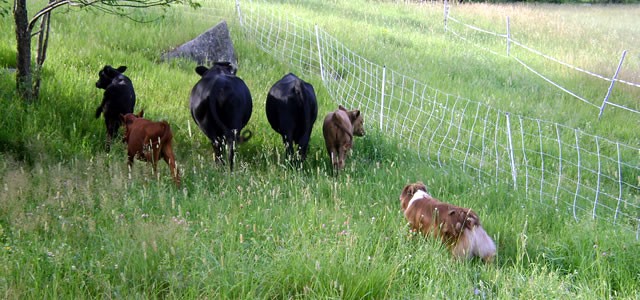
x=475 y=242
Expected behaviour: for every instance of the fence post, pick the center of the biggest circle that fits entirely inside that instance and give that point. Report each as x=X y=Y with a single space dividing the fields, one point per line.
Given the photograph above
x=524 y=159
x=319 y=53
x=595 y=201
x=239 y=13
x=575 y=196
x=384 y=80
x=511 y=158
x=541 y=159
x=559 y=164
x=613 y=81
x=508 y=37
x=615 y=217
x=446 y=14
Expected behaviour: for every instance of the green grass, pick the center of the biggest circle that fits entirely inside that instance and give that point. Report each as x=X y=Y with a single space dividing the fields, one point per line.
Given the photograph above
x=75 y=223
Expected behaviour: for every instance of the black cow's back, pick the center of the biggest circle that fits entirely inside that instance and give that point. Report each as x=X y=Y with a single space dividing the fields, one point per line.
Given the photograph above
x=292 y=110
x=121 y=95
x=221 y=105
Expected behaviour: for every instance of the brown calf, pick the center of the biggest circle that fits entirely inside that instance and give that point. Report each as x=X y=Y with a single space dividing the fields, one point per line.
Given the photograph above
x=148 y=141
x=338 y=129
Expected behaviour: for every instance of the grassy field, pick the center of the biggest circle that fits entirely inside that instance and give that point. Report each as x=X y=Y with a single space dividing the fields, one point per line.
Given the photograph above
x=76 y=223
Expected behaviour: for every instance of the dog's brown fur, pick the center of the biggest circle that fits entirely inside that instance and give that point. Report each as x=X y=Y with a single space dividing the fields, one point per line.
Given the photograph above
x=148 y=141
x=338 y=129
x=459 y=228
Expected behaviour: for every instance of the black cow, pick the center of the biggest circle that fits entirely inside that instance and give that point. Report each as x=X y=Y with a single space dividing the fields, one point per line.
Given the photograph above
x=119 y=99
x=291 y=110
x=221 y=105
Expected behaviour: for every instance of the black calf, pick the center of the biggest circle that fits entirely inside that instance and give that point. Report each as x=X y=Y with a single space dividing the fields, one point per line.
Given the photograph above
x=119 y=99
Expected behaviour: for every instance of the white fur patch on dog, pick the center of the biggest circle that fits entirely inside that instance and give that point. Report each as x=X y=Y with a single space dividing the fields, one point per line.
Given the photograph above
x=417 y=196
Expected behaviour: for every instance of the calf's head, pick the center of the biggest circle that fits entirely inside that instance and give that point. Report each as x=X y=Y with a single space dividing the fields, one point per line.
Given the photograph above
x=356 y=120
x=107 y=74
x=127 y=120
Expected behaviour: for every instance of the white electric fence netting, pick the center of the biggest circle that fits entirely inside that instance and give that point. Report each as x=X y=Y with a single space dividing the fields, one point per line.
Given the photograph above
x=559 y=166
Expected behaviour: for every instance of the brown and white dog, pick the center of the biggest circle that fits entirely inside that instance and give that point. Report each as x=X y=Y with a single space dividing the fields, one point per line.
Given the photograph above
x=459 y=228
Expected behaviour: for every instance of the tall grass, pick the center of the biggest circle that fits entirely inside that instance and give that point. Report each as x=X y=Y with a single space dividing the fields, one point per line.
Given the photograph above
x=76 y=223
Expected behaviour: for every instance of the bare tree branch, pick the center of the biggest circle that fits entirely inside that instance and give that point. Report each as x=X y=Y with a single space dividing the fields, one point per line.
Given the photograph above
x=107 y=6
x=25 y=27
x=51 y=6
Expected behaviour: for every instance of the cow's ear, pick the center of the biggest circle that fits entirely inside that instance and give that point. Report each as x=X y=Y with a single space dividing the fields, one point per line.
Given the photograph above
x=201 y=70
x=121 y=69
x=141 y=113
x=357 y=113
x=232 y=69
x=110 y=72
x=225 y=67
x=225 y=64
x=340 y=107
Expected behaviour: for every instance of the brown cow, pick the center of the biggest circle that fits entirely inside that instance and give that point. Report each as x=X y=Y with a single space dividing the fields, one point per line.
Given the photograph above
x=148 y=141
x=338 y=129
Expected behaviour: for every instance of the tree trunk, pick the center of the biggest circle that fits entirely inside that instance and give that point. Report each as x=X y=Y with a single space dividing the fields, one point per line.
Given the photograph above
x=24 y=78
x=43 y=43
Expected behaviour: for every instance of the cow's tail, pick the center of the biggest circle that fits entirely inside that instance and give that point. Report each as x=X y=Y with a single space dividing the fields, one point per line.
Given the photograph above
x=305 y=103
x=244 y=136
x=167 y=136
x=336 y=120
x=297 y=89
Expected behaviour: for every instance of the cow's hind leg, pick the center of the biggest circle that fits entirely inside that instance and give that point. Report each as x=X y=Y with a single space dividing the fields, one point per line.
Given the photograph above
x=289 y=144
x=131 y=156
x=217 y=149
x=342 y=154
x=303 y=146
x=170 y=158
x=335 y=159
x=111 y=131
x=231 y=150
x=130 y=160
x=155 y=155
